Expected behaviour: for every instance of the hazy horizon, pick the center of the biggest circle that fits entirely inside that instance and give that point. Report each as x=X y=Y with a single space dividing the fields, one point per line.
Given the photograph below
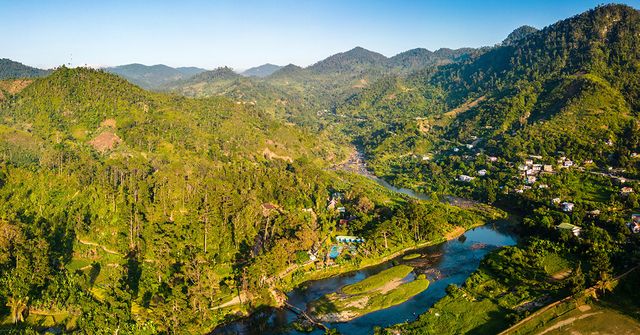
x=252 y=33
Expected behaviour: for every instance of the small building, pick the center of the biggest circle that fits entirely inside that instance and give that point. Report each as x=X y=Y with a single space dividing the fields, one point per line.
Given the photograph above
x=626 y=191
x=464 y=178
x=332 y=204
x=588 y=161
x=634 y=225
x=547 y=168
x=343 y=222
x=567 y=206
x=349 y=239
x=543 y=186
x=482 y=173
x=492 y=158
x=528 y=162
x=555 y=201
x=594 y=213
x=536 y=167
x=567 y=163
x=575 y=230
x=342 y=210
x=531 y=180
x=456 y=149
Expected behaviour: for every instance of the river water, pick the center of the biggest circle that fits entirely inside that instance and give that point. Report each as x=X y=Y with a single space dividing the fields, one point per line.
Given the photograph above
x=447 y=263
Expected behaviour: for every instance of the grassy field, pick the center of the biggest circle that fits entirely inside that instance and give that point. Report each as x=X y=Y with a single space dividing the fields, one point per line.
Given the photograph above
x=376 y=292
x=591 y=319
x=373 y=282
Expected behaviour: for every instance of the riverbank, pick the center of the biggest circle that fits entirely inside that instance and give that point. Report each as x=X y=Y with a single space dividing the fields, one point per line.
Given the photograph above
x=336 y=270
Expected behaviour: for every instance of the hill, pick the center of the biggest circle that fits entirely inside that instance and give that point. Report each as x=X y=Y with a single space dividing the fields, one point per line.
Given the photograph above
x=418 y=59
x=569 y=87
x=519 y=33
x=357 y=59
x=261 y=71
x=11 y=70
x=154 y=76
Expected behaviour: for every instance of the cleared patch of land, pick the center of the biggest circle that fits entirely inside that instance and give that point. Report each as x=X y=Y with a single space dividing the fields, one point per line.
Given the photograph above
x=594 y=320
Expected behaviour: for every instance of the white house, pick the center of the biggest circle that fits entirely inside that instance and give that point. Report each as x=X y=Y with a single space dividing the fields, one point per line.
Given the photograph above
x=465 y=178
x=567 y=206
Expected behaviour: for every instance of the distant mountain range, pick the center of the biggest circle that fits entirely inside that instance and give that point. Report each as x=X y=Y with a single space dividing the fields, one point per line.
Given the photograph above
x=261 y=71
x=12 y=69
x=154 y=76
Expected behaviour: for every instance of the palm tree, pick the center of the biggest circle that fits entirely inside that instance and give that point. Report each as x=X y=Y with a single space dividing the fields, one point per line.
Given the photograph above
x=18 y=308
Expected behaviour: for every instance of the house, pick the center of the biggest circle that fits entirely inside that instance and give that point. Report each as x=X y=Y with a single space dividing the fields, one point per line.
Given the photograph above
x=555 y=201
x=626 y=191
x=531 y=179
x=588 y=161
x=536 y=167
x=543 y=186
x=342 y=210
x=464 y=178
x=536 y=157
x=469 y=146
x=482 y=172
x=493 y=159
x=567 y=163
x=332 y=204
x=594 y=212
x=528 y=162
x=547 y=168
x=634 y=225
x=568 y=226
x=567 y=206
x=456 y=149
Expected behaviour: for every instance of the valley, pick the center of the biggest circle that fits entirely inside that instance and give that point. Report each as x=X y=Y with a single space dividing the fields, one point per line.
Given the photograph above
x=483 y=190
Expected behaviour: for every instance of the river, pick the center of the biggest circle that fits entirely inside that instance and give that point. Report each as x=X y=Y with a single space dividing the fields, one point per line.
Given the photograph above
x=447 y=263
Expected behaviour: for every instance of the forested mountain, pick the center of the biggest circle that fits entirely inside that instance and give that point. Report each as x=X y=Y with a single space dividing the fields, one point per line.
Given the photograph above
x=418 y=59
x=571 y=87
x=356 y=59
x=519 y=33
x=303 y=91
x=153 y=76
x=261 y=71
x=11 y=69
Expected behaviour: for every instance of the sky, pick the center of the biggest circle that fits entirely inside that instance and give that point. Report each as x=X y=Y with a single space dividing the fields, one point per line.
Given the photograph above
x=242 y=34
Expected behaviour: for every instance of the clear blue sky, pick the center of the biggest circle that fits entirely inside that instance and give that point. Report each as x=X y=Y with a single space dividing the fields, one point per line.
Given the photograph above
x=242 y=34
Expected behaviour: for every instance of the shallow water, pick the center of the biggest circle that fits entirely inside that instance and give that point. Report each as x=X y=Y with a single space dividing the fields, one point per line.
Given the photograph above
x=447 y=263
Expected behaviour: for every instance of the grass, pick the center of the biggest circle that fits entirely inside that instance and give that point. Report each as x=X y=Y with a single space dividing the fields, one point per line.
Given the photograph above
x=373 y=282
x=554 y=263
x=592 y=318
x=410 y=257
